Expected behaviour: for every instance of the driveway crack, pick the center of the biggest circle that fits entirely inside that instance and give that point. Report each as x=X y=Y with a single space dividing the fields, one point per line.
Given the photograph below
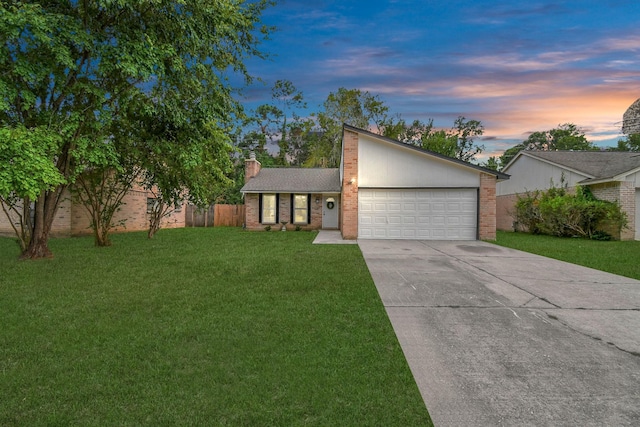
x=495 y=276
x=593 y=337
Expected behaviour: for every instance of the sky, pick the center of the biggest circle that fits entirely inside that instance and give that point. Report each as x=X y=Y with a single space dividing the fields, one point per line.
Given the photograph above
x=517 y=66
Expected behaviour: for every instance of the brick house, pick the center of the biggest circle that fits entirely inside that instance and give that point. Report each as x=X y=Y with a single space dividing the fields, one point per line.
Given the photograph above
x=610 y=175
x=72 y=218
x=384 y=189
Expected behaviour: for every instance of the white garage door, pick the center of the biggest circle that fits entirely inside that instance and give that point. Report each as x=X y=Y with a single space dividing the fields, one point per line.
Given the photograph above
x=428 y=214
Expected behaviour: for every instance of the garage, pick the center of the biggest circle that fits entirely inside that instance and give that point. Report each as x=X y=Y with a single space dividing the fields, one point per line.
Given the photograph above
x=428 y=214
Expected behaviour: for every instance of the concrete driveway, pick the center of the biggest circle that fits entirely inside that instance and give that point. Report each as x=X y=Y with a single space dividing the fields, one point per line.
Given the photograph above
x=496 y=336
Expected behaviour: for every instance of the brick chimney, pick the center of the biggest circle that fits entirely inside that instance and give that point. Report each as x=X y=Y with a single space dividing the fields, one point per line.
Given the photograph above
x=251 y=167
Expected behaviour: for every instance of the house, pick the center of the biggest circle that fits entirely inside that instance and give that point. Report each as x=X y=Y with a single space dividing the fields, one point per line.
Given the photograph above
x=384 y=189
x=610 y=175
x=72 y=218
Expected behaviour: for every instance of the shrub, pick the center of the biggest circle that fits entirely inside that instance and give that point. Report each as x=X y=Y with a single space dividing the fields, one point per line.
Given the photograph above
x=556 y=212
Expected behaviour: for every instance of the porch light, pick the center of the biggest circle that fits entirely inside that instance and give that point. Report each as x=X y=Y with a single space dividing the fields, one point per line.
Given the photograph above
x=317 y=200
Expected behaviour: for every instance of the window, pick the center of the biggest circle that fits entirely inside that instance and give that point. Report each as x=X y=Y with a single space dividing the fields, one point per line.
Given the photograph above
x=151 y=203
x=300 y=209
x=269 y=209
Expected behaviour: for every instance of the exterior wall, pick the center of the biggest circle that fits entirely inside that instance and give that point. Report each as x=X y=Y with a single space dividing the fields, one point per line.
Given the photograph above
x=132 y=215
x=624 y=193
x=504 y=212
x=252 y=213
x=61 y=226
x=528 y=174
x=487 y=207
x=72 y=219
x=387 y=165
x=350 y=183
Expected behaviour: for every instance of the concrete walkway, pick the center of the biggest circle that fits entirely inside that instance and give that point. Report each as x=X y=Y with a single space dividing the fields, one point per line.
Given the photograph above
x=496 y=336
x=331 y=237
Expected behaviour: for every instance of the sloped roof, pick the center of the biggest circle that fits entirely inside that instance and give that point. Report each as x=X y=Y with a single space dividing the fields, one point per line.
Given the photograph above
x=596 y=164
x=498 y=175
x=294 y=180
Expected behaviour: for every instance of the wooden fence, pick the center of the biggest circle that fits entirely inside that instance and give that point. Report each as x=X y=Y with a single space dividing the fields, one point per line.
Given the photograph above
x=215 y=216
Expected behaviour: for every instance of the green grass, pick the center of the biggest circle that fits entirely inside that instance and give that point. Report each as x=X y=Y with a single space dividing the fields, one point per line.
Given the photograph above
x=613 y=256
x=199 y=327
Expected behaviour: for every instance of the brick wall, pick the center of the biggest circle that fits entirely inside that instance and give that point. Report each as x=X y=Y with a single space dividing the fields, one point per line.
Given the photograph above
x=349 y=198
x=61 y=226
x=251 y=167
x=623 y=193
x=505 y=206
x=487 y=207
x=72 y=219
x=252 y=213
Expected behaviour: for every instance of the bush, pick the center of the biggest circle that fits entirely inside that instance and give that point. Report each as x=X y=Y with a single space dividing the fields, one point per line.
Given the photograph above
x=556 y=212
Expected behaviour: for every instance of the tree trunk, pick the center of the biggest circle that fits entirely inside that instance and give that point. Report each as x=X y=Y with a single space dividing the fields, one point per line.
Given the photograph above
x=46 y=207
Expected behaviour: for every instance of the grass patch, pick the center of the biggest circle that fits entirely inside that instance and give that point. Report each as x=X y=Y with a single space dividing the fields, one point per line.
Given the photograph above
x=199 y=327
x=618 y=257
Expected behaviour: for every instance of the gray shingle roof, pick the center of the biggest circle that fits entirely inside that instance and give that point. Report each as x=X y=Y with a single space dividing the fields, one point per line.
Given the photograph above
x=596 y=164
x=294 y=180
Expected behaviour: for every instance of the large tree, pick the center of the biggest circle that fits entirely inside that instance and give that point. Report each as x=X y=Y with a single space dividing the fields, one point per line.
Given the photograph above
x=350 y=106
x=72 y=71
x=456 y=142
x=564 y=137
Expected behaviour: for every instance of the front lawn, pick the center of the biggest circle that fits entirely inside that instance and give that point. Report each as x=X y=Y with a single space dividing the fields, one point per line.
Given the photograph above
x=199 y=326
x=613 y=256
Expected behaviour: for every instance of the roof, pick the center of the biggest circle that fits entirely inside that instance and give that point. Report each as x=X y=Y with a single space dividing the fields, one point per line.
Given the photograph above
x=498 y=175
x=294 y=180
x=597 y=165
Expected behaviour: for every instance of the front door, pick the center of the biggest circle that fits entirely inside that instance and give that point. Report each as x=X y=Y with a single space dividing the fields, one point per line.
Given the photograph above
x=330 y=209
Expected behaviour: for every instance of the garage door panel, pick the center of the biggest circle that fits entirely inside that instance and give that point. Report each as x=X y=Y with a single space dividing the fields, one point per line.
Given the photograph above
x=436 y=214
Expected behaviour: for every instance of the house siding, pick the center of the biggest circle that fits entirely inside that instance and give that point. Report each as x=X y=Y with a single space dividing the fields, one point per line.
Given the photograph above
x=387 y=165
x=528 y=174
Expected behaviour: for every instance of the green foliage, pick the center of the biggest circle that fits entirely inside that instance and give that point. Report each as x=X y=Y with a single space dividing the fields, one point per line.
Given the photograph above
x=559 y=213
x=565 y=137
x=631 y=143
x=492 y=163
x=26 y=169
x=457 y=142
x=87 y=71
x=279 y=124
x=510 y=153
x=351 y=106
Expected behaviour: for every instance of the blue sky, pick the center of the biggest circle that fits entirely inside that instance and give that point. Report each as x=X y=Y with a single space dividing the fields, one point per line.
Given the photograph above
x=517 y=66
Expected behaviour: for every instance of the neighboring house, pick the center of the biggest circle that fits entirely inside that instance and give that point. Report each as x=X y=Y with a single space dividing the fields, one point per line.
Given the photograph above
x=72 y=218
x=384 y=189
x=611 y=175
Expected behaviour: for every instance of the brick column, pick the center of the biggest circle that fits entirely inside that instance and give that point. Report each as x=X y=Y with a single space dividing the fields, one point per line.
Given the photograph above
x=627 y=200
x=349 y=199
x=487 y=207
x=624 y=193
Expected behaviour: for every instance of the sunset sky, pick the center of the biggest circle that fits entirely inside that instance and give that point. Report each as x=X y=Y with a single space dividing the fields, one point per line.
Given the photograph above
x=517 y=66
